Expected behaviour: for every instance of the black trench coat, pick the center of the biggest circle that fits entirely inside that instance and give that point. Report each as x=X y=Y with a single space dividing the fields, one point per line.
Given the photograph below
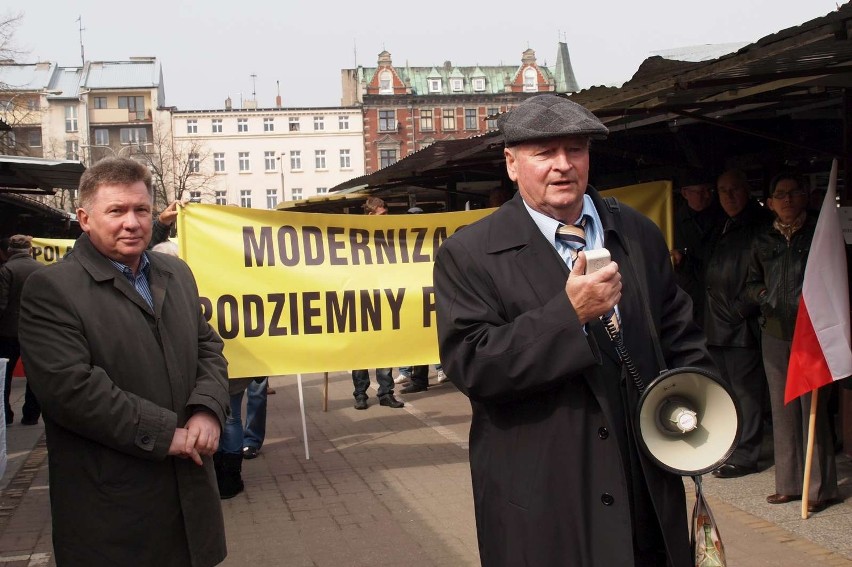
x=548 y=477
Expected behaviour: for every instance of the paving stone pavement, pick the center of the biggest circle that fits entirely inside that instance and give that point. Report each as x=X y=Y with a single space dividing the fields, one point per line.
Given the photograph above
x=392 y=487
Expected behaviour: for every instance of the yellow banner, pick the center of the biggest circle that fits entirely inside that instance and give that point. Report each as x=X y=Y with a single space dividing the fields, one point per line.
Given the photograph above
x=654 y=200
x=51 y=250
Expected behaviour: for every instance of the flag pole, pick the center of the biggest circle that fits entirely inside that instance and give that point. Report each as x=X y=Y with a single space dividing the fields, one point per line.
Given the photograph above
x=809 y=453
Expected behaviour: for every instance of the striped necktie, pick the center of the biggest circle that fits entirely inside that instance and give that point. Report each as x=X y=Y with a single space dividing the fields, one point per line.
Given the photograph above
x=573 y=236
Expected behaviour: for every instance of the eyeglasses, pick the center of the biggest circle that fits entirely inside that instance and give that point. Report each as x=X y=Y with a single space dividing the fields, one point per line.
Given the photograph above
x=784 y=194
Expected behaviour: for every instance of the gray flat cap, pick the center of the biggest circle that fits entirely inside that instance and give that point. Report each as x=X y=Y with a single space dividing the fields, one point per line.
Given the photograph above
x=549 y=116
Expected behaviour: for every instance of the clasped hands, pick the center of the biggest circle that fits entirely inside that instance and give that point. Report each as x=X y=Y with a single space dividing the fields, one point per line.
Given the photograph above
x=199 y=437
x=596 y=294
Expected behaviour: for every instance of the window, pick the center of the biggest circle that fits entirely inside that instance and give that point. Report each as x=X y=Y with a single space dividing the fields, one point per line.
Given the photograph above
x=293 y=123
x=192 y=126
x=297 y=193
x=245 y=198
x=434 y=85
x=457 y=85
x=242 y=124
x=426 y=120
x=319 y=158
x=135 y=106
x=193 y=163
x=219 y=162
x=100 y=102
x=33 y=104
x=322 y=190
x=245 y=164
x=269 y=161
x=70 y=119
x=271 y=198
x=216 y=125
x=448 y=118
x=387 y=121
x=34 y=138
x=470 y=119
x=479 y=84
x=345 y=162
x=101 y=137
x=195 y=196
x=387 y=157
x=133 y=136
x=385 y=82
x=319 y=123
x=72 y=149
x=221 y=197
x=295 y=160
x=268 y=124
x=343 y=122
x=491 y=121
x=530 y=80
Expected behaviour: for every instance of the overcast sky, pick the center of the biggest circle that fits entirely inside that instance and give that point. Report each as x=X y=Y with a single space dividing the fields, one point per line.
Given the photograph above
x=209 y=49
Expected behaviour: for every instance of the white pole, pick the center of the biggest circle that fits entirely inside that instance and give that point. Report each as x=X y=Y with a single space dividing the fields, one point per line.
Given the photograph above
x=304 y=423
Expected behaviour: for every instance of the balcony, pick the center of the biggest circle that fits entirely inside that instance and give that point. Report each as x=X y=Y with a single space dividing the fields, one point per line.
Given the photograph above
x=117 y=116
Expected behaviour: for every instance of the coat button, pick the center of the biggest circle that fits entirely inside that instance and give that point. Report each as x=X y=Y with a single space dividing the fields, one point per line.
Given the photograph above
x=603 y=432
x=607 y=499
x=146 y=439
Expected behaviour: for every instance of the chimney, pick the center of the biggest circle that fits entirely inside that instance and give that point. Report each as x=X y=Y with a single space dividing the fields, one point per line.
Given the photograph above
x=228 y=104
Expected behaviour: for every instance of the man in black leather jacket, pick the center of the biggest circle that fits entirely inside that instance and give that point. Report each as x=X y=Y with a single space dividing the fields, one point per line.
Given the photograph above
x=776 y=275
x=730 y=318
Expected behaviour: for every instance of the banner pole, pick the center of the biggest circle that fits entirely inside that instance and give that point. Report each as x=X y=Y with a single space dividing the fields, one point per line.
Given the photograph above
x=809 y=453
x=304 y=423
x=325 y=393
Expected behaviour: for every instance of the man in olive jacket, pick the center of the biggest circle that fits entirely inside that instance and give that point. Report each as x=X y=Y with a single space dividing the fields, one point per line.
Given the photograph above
x=558 y=478
x=133 y=387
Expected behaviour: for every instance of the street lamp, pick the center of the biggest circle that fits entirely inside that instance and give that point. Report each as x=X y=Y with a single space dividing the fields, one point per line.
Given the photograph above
x=117 y=154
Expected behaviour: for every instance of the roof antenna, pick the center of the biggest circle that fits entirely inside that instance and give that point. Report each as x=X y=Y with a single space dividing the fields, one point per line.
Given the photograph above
x=253 y=85
x=81 y=28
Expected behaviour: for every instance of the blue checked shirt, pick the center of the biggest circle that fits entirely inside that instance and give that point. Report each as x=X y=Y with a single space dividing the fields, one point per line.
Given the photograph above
x=140 y=282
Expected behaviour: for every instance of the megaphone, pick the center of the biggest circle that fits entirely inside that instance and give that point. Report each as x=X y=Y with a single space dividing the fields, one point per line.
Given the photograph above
x=688 y=421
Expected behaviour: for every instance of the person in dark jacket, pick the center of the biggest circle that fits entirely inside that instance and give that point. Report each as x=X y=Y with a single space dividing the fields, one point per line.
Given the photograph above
x=558 y=478
x=730 y=318
x=19 y=266
x=775 y=278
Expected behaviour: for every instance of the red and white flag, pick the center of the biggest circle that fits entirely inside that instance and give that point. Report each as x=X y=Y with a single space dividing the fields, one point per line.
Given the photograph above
x=821 y=350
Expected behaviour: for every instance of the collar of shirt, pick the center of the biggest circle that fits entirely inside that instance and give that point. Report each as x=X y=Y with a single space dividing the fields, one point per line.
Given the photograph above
x=144 y=267
x=548 y=225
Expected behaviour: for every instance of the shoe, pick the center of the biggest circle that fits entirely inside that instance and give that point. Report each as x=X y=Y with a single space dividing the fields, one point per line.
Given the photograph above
x=361 y=402
x=229 y=478
x=732 y=471
x=270 y=390
x=815 y=506
x=442 y=377
x=402 y=379
x=783 y=498
x=391 y=402
x=412 y=388
x=29 y=421
x=10 y=417
x=250 y=452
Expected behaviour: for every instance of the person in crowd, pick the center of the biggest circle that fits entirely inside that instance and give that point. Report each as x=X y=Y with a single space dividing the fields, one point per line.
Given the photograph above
x=731 y=319
x=694 y=223
x=775 y=277
x=228 y=459
x=132 y=384
x=162 y=227
x=255 y=428
x=558 y=478
x=19 y=266
x=422 y=376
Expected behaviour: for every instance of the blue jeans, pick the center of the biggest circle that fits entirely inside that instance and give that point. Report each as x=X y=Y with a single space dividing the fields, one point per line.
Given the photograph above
x=234 y=438
x=231 y=440
x=361 y=381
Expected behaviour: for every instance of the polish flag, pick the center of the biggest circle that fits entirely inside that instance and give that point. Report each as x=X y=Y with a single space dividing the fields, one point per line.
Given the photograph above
x=821 y=353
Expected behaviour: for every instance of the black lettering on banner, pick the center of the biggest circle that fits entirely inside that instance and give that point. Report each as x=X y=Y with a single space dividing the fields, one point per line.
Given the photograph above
x=384 y=246
x=403 y=246
x=37 y=251
x=395 y=303
x=315 y=256
x=311 y=312
x=288 y=246
x=206 y=308
x=337 y=315
x=371 y=310
x=428 y=305
x=418 y=255
x=335 y=246
x=51 y=253
x=275 y=329
x=228 y=302
x=358 y=241
x=254 y=326
x=294 y=313
x=258 y=250
x=437 y=239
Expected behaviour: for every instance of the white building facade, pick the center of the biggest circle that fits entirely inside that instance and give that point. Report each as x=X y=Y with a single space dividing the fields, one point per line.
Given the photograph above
x=258 y=158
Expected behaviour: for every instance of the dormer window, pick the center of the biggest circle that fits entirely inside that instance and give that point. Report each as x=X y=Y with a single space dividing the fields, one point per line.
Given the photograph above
x=457 y=85
x=434 y=85
x=385 y=82
x=479 y=84
x=530 y=80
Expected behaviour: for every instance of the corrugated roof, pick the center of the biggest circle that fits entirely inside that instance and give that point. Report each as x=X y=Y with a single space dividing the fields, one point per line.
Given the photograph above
x=26 y=77
x=700 y=52
x=19 y=174
x=66 y=82
x=122 y=74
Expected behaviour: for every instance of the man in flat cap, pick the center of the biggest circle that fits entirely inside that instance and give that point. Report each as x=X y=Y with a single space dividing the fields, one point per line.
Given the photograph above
x=558 y=477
